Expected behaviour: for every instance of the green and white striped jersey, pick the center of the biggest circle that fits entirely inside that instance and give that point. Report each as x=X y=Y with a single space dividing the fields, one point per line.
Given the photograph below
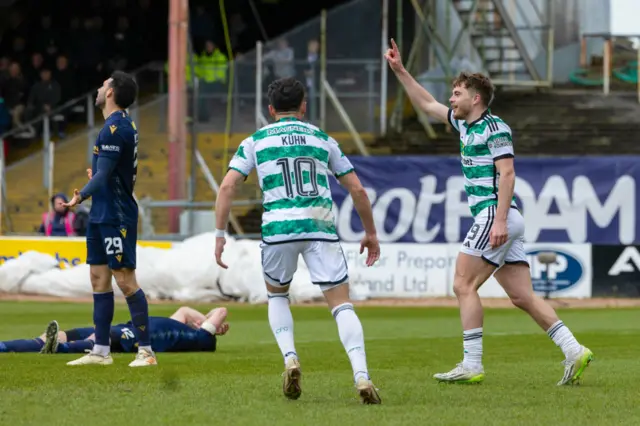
x=482 y=142
x=292 y=159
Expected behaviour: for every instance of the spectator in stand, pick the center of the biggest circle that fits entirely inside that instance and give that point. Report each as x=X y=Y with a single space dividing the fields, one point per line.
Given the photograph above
x=312 y=76
x=65 y=78
x=32 y=73
x=15 y=94
x=44 y=97
x=281 y=60
x=59 y=222
x=51 y=53
x=211 y=69
x=19 y=50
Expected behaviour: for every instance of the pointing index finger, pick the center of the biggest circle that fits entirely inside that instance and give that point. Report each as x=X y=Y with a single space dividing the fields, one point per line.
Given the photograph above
x=394 y=45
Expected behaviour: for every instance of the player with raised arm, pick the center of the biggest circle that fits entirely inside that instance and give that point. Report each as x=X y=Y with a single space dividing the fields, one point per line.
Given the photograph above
x=293 y=160
x=113 y=222
x=495 y=242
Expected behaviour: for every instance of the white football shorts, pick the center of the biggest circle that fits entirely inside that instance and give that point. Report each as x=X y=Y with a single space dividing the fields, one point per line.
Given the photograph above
x=476 y=243
x=325 y=261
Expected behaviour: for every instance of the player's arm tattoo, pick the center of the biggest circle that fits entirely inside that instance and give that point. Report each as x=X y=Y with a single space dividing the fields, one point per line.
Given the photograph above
x=104 y=169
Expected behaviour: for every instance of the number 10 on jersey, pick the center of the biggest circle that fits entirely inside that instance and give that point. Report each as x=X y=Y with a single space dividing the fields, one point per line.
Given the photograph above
x=296 y=177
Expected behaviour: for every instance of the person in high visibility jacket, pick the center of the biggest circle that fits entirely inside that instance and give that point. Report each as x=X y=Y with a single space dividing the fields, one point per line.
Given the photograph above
x=212 y=77
x=212 y=65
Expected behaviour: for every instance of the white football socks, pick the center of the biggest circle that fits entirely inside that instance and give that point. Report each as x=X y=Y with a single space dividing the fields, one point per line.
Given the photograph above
x=101 y=350
x=281 y=322
x=563 y=338
x=472 y=344
x=352 y=337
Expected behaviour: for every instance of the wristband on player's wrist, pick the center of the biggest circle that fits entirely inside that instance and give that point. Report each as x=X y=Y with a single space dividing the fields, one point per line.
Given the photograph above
x=221 y=233
x=210 y=328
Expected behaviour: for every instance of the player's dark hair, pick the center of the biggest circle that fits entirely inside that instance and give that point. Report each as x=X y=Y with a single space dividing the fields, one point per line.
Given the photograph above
x=286 y=94
x=478 y=82
x=125 y=89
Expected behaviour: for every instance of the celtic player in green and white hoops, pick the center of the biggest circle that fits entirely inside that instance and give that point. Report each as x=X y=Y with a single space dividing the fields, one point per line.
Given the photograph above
x=495 y=242
x=293 y=160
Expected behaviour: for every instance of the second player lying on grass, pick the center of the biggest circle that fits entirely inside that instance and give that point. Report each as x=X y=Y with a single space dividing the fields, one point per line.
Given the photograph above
x=187 y=330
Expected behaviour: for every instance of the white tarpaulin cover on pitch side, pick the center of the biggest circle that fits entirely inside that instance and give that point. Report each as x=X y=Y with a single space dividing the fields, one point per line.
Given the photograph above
x=185 y=272
x=188 y=272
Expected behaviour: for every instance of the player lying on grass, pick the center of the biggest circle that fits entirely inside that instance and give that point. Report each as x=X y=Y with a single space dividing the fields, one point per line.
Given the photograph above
x=495 y=243
x=187 y=330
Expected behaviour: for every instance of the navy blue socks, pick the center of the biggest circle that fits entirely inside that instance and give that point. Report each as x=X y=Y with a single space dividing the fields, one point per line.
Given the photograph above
x=22 y=345
x=103 y=308
x=139 y=309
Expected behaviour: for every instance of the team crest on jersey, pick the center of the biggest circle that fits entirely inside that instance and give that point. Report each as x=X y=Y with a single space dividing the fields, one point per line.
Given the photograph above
x=96 y=151
x=470 y=139
x=123 y=231
x=112 y=128
x=119 y=258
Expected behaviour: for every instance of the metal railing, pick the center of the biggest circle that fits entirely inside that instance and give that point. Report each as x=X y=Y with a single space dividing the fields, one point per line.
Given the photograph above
x=476 y=31
x=356 y=83
x=68 y=113
x=147 y=204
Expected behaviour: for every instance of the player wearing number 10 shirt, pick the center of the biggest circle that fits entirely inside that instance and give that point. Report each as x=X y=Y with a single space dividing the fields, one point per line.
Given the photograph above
x=293 y=160
x=113 y=221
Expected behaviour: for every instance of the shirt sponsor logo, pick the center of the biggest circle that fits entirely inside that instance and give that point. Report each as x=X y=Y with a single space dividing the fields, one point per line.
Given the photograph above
x=112 y=148
x=501 y=142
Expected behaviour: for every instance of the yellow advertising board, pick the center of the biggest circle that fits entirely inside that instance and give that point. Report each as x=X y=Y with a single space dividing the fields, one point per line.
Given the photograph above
x=68 y=251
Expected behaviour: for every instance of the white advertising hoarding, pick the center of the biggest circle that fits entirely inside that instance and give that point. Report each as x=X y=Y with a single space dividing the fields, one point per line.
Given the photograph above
x=427 y=270
x=403 y=271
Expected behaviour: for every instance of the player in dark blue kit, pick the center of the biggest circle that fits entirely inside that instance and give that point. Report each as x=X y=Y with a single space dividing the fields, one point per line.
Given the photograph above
x=113 y=221
x=187 y=330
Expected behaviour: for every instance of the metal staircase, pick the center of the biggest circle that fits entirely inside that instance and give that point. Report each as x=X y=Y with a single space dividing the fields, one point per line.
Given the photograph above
x=498 y=29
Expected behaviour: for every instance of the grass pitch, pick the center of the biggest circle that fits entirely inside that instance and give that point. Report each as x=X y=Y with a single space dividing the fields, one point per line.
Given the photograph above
x=241 y=383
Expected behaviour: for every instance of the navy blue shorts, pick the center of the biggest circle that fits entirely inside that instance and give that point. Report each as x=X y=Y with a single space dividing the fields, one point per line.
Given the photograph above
x=112 y=245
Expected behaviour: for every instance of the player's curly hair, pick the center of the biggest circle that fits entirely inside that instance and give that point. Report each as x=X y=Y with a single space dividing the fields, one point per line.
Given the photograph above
x=477 y=82
x=286 y=94
x=125 y=89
